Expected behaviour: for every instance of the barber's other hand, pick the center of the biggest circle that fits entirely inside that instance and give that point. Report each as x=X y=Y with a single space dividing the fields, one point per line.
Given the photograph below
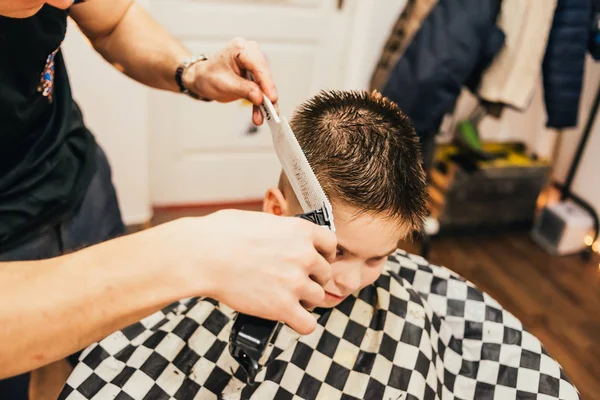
x=222 y=77
x=260 y=264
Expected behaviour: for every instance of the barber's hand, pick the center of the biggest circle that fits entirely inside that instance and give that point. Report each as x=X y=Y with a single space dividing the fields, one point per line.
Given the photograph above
x=263 y=265
x=223 y=77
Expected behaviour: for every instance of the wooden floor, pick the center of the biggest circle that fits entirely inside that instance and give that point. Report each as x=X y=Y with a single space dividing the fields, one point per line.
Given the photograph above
x=556 y=298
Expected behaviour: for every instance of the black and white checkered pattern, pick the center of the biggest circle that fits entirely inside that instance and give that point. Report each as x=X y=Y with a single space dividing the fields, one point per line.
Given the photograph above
x=419 y=332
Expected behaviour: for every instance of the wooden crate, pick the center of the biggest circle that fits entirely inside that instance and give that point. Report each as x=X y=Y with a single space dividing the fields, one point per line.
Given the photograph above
x=499 y=194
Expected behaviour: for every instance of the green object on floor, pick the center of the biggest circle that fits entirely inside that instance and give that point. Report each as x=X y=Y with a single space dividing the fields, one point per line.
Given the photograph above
x=468 y=134
x=467 y=139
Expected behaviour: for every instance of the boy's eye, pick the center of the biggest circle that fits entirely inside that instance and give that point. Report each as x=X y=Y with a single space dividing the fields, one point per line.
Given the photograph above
x=339 y=252
x=376 y=261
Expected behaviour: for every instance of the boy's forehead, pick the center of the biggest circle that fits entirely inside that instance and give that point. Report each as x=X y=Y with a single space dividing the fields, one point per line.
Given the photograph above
x=356 y=229
x=369 y=234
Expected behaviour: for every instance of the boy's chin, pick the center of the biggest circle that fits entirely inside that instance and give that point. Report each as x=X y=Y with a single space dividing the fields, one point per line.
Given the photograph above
x=328 y=303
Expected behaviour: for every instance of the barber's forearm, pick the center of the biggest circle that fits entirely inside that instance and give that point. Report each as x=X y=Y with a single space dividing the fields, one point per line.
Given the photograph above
x=143 y=49
x=53 y=308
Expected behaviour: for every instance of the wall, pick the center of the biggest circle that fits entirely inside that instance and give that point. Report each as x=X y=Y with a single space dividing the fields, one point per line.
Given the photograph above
x=382 y=15
x=115 y=110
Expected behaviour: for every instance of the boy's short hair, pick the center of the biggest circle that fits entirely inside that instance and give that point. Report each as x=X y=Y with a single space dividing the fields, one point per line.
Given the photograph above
x=365 y=153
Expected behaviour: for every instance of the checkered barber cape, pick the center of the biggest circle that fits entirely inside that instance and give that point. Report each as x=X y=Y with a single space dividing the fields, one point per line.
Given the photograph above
x=419 y=332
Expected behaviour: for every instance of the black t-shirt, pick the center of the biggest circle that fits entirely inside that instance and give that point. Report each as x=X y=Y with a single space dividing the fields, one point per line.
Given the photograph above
x=46 y=152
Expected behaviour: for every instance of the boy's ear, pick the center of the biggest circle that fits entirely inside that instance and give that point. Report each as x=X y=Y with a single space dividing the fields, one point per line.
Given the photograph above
x=275 y=203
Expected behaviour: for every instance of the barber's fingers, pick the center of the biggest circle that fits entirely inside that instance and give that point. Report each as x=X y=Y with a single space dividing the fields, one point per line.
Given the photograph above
x=320 y=270
x=312 y=294
x=231 y=86
x=300 y=320
x=251 y=59
x=325 y=242
x=257 y=117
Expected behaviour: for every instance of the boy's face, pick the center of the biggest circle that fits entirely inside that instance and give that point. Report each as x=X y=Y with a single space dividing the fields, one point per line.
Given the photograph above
x=364 y=243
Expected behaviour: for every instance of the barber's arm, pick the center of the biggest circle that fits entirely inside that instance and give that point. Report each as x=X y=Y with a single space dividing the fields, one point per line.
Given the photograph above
x=126 y=36
x=256 y=263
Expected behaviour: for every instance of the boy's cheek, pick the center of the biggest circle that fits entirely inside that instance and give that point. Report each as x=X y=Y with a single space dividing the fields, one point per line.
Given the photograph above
x=370 y=275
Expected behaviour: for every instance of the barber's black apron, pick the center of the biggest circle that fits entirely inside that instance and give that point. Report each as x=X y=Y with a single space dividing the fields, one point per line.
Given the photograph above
x=46 y=153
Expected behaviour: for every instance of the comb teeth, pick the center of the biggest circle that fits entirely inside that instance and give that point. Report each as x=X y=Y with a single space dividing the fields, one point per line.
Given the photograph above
x=298 y=170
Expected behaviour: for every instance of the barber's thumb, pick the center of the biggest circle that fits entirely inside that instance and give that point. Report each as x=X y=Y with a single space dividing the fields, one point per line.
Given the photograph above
x=301 y=320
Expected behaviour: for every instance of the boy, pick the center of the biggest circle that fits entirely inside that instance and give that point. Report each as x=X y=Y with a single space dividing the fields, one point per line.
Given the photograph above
x=389 y=327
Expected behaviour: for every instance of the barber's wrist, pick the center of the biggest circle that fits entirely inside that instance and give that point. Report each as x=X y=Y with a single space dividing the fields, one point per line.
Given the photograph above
x=187 y=75
x=189 y=79
x=185 y=256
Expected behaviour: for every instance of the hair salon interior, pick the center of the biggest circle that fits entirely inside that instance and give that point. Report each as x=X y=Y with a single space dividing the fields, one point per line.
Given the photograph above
x=503 y=94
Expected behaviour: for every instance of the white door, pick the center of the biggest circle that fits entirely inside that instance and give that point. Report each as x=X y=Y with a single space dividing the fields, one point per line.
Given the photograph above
x=205 y=153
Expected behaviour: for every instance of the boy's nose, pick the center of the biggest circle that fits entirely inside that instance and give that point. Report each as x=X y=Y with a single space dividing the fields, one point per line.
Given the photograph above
x=349 y=278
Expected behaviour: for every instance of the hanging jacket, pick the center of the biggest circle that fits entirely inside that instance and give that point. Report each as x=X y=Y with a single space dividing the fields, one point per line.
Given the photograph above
x=407 y=25
x=456 y=42
x=594 y=40
x=513 y=76
x=564 y=62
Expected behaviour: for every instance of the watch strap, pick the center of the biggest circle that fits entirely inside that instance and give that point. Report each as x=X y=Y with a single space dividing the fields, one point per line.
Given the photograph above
x=179 y=76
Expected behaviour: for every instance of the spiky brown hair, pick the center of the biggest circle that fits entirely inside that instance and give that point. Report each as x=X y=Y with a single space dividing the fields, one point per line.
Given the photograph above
x=364 y=152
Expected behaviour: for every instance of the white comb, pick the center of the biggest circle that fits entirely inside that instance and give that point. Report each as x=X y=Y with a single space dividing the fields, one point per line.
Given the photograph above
x=296 y=167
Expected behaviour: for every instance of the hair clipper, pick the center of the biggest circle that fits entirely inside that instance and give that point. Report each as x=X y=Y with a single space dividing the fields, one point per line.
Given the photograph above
x=250 y=335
